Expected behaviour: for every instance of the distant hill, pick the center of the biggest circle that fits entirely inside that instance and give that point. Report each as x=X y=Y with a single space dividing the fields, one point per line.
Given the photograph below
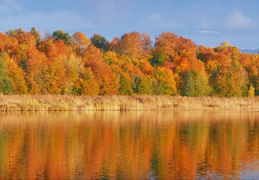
x=252 y=51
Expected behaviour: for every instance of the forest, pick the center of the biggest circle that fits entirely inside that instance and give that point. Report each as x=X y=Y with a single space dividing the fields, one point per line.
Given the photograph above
x=130 y=65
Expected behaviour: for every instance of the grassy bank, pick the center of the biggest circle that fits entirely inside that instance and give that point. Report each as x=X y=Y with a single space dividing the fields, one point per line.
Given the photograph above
x=122 y=103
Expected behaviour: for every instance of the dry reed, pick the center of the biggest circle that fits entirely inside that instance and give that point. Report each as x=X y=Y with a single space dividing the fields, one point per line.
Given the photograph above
x=122 y=103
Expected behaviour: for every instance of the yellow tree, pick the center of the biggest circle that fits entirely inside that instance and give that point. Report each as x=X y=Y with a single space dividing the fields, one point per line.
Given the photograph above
x=17 y=76
x=164 y=83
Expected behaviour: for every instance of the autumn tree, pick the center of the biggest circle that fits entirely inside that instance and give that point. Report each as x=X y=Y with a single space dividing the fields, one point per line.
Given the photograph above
x=146 y=67
x=17 y=76
x=251 y=92
x=171 y=48
x=81 y=43
x=128 y=65
x=205 y=53
x=165 y=48
x=110 y=58
x=141 y=84
x=132 y=45
x=75 y=70
x=105 y=78
x=56 y=76
x=87 y=84
x=14 y=33
x=26 y=42
x=36 y=72
x=8 y=44
x=231 y=83
x=146 y=44
x=229 y=77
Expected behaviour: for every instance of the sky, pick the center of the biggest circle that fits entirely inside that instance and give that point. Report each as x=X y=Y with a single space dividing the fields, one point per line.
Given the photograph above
x=206 y=22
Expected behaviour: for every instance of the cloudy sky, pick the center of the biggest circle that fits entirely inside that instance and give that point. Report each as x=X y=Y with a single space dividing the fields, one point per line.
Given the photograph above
x=207 y=22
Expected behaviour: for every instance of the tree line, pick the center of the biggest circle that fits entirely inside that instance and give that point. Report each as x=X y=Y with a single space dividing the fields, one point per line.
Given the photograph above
x=129 y=65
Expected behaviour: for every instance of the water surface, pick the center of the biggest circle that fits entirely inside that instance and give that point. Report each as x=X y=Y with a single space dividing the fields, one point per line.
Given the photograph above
x=129 y=145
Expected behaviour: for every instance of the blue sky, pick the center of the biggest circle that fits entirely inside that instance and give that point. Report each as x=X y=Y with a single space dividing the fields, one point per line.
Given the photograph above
x=207 y=22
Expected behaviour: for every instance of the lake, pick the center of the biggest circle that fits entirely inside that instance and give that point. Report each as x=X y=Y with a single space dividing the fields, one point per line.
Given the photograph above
x=129 y=145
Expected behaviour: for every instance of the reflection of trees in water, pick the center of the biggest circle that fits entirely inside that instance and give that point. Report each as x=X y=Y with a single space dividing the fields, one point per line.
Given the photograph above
x=128 y=145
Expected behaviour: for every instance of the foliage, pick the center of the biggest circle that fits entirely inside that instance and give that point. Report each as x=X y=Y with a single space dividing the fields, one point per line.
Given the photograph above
x=164 y=83
x=133 y=45
x=36 y=35
x=131 y=64
x=61 y=35
x=17 y=77
x=6 y=85
x=100 y=42
x=196 y=84
x=81 y=43
x=251 y=92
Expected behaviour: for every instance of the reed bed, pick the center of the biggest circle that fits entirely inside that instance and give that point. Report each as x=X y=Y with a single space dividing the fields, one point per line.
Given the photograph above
x=123 y=103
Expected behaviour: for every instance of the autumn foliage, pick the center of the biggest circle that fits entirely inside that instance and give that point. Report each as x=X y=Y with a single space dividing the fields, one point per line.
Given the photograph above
x=131 y=64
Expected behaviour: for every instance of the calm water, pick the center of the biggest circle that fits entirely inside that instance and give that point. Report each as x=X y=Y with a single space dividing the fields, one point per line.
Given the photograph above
x=129 y=145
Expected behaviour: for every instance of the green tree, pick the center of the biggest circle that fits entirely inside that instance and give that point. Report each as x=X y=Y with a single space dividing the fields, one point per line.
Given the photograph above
x=14 y=33
x=141 y=84
x=201 y=84
x=189 y=89
x=100 y=42
x=196 y=84
x=125 y=87
x=61 y=35
x=36 y=35
x=6 y=85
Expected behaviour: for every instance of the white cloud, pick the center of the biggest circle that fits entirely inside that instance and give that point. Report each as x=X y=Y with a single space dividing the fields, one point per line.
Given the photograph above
x=48 y=22
x=208 y=32
x=237 y=20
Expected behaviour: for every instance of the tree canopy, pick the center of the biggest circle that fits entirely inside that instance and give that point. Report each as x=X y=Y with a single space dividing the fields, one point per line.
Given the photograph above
x=128 y=65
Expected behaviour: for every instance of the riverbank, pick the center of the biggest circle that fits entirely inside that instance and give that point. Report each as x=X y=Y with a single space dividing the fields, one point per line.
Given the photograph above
x=122 y=103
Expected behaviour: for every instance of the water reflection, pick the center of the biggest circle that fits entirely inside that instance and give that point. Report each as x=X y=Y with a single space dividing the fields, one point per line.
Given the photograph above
x=129 y=145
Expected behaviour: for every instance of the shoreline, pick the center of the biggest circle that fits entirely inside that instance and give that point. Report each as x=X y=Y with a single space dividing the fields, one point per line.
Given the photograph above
x=123 y=103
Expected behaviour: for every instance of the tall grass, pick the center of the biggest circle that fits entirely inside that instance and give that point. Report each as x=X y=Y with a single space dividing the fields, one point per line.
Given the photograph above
x=122 y=103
